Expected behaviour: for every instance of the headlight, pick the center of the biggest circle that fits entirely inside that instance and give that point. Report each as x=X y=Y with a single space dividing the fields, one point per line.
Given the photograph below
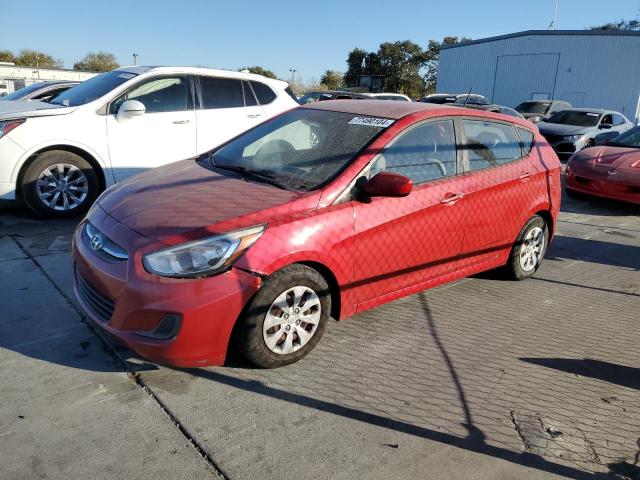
x=7 y=125
x=202 y=258
x=535 y=118
x=572 y=138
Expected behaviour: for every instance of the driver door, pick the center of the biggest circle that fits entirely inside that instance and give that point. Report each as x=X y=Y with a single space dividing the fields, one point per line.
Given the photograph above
x=165 y=133
x=403 y=241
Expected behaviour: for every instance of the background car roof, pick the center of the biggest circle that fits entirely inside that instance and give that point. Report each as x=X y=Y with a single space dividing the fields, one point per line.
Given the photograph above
x=589 y=110
x=373 y=108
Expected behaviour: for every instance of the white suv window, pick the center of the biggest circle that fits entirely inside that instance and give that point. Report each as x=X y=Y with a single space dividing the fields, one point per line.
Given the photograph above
x=221 y=92
x=164 y=94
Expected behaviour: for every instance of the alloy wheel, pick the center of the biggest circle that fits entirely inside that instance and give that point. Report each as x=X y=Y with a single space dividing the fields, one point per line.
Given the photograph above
x=292 y=320
x=531 y=250
x=62 y=187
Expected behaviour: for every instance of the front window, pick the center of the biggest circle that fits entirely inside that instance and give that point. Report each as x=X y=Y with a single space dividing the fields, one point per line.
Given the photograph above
x=538 y=108
x=630 y=138
x=92 y=89
x=160 y=94
x=572 y=117
x=300 y=150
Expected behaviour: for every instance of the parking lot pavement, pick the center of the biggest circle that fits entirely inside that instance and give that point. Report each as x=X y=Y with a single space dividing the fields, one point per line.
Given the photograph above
x=483 y=378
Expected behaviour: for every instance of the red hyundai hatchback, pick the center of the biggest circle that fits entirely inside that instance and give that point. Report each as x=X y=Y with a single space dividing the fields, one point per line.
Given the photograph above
x=324 y=211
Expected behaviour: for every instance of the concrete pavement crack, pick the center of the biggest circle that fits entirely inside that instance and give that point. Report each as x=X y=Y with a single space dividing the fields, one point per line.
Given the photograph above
x=131 y=374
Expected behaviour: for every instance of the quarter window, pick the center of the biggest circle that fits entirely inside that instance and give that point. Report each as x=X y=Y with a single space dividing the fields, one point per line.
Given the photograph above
x=618 y=119
x=489 y=144
x=265 y=94
x=527 y=139
x=423 y=154
x=221 y=92
x=249 y=97
x=165 y=94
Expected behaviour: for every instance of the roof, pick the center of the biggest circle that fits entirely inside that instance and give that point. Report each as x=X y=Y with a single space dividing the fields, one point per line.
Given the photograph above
x=140 y=69
x=374 y=108
x=526 y=33
x=589 y=110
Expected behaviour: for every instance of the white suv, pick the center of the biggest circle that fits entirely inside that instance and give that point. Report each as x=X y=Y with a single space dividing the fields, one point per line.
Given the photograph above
x=58 y=156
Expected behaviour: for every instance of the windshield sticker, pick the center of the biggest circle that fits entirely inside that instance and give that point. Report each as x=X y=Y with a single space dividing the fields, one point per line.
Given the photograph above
x=126 y=75
x=371 y=121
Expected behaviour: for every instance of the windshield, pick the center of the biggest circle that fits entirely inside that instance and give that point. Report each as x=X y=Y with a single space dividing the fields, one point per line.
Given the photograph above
x=630 y=138
x=573 y=117
x=91 y=89
x=301 y=149
x=533 y=107
x=18 y=94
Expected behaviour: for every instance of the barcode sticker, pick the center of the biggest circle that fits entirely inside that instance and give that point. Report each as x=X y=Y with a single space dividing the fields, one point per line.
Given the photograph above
x=371 y=121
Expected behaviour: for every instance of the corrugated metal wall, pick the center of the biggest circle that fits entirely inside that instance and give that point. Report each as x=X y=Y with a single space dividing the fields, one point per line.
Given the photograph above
x=600 y=71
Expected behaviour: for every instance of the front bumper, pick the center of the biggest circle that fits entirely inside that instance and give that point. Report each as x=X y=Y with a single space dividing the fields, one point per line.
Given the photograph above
x=10 y=157
x=602 y=187
x=208 y=307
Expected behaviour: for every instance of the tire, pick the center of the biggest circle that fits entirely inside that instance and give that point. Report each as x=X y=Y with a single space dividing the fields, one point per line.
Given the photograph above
x=76 y=186
x=264 y=322
x=527 y=238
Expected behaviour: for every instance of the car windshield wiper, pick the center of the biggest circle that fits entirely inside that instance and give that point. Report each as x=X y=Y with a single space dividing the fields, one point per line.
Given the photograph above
x=259 y=175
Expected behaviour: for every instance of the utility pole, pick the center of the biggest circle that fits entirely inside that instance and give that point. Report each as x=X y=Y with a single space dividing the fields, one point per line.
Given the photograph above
x=135 y=58
x=554 y=22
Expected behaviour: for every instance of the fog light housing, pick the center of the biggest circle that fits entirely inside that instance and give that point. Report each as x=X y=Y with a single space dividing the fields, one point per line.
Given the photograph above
x=167 y=328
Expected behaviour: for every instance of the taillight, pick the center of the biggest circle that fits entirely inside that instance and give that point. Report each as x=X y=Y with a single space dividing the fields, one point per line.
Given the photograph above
x=8 y=125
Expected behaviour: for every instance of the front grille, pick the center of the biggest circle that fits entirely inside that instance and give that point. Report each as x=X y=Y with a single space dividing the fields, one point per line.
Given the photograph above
x=101 y=306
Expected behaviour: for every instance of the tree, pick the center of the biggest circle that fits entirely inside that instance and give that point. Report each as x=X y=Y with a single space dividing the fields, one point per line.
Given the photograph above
x=260 y=71
x=628 y=25
x=332 y=80
x=33 y=58
x=7 y=56
x=97 y=62
x=400 y=63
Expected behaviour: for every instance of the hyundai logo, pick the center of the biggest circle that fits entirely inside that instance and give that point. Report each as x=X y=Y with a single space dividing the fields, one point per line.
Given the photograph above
x=96 y=242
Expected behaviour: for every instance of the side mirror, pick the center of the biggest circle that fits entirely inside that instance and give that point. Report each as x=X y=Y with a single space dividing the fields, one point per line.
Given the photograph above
x=388 y=184
x=131 y=108
x=605 y=126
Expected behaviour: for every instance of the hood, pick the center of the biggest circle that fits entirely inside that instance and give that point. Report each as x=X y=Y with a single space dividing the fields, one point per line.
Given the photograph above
x=562 y=129
x=606 y=161
x=184 y=200
x=31 y=108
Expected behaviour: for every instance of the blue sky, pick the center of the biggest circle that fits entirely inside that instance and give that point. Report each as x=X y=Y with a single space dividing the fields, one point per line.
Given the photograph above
x=279 y=35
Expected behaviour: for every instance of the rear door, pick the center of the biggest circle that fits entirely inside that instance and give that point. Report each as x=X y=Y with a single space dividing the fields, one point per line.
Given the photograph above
x=226 y=108
x=165 y=133
x=497 y=177
x=403 y=241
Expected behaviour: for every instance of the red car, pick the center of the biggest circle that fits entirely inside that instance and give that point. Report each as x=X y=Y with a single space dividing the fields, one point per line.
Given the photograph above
x=611 y=171
x=324 y=211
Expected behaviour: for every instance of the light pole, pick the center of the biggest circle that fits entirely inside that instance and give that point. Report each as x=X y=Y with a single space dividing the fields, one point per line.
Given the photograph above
x=135 y=58
x=293 y=75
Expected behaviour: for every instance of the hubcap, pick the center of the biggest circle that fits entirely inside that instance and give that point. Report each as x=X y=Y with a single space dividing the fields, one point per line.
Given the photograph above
x=532 y=249
x=62 y=187
x=291 y=320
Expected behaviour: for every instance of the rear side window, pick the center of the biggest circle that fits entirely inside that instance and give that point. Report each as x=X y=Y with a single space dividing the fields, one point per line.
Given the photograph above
x=490 y=144
x=221 y=92
x=424 y=153
x=249 y=97
x=618 y=119
x=527 y=139
x=265 y=94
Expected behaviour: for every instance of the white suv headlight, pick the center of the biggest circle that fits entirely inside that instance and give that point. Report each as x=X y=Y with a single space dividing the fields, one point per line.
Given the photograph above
x=572 y=138
x=202 y=258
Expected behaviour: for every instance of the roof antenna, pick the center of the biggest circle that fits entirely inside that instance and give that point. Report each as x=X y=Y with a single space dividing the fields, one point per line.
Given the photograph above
x=554 y=23
x=467 y=97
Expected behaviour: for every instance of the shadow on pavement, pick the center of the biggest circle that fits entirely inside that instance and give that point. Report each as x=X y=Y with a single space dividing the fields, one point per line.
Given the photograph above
x=607 y=372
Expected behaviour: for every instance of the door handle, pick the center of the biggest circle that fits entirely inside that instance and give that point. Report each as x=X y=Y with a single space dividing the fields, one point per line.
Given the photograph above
x=451 y=197
x=525 y=175
x=254 y=115
x=181 y=122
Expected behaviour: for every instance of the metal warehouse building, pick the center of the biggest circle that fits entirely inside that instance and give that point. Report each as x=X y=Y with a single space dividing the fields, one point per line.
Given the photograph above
x=588 y=68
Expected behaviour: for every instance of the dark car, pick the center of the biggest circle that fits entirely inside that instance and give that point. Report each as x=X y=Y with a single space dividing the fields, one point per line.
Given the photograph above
x=467 y=99
x=496 y=109
x=439 y=98
x=42 y=91
x=330 y=95
x=537 y=110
